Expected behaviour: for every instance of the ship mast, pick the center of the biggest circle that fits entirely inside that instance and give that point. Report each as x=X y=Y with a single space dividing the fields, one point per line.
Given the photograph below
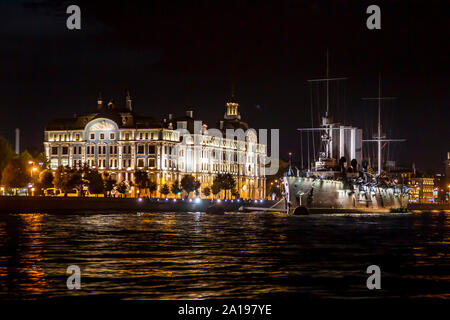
x=379 y=124
x=326 y=125
x=328 y=84
x=379 y=138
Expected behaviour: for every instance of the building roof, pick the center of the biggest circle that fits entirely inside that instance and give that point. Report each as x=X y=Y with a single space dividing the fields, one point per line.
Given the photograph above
x=123 y=117
x=234 y=124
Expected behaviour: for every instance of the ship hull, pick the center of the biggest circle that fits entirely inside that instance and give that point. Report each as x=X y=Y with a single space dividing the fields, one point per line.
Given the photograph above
x=333 y=196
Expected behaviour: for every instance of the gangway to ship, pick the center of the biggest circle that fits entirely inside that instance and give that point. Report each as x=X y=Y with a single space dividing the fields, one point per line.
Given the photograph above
x=273 y=208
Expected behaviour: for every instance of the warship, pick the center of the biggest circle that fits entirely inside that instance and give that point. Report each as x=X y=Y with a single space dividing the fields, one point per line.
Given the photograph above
x=339 y=180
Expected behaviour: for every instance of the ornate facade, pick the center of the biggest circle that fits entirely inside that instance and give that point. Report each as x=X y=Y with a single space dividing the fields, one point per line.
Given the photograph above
x=119 y=141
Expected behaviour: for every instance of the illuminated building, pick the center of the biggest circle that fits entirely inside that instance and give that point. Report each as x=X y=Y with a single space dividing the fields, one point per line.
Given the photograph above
x=445 y=186
x=421 y=190
x=447 y=168
x=119 y=141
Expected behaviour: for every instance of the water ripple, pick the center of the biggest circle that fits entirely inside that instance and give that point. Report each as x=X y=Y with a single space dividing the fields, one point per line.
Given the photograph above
x=237 y=255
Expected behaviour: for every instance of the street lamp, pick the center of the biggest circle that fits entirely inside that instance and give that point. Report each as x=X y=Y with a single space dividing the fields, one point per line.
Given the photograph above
x=33 y=170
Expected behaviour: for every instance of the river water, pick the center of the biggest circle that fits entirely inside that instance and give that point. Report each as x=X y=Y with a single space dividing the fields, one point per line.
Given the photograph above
x=236 y=255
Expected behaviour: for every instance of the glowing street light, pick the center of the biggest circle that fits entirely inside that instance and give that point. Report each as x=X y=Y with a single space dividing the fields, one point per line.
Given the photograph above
x=33 y=169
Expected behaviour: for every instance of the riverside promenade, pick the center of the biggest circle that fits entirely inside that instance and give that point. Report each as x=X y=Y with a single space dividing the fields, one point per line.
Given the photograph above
x=429 y=206
x=69 y=205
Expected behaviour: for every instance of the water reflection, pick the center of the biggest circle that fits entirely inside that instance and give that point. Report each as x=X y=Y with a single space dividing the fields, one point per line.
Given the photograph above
x=196 y=256
x=22 y=255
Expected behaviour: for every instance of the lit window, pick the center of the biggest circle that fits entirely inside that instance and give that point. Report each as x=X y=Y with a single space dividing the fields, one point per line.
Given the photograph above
x=54 y=163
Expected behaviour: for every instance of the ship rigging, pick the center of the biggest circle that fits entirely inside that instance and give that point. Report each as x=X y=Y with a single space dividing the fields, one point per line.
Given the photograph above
x=341 y=142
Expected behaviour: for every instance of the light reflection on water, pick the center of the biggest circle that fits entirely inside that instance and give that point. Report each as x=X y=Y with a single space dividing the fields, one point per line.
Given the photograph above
x=237 y=255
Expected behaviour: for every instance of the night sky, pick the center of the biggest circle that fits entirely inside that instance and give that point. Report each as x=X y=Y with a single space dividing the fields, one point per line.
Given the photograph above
x=177 y=54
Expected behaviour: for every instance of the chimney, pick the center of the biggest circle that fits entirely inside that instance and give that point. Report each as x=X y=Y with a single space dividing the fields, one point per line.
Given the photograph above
x=448 y=155
x=190 y=113
x=99 y=101
x=128 y=101
x=17 y=141
x=170 y=116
